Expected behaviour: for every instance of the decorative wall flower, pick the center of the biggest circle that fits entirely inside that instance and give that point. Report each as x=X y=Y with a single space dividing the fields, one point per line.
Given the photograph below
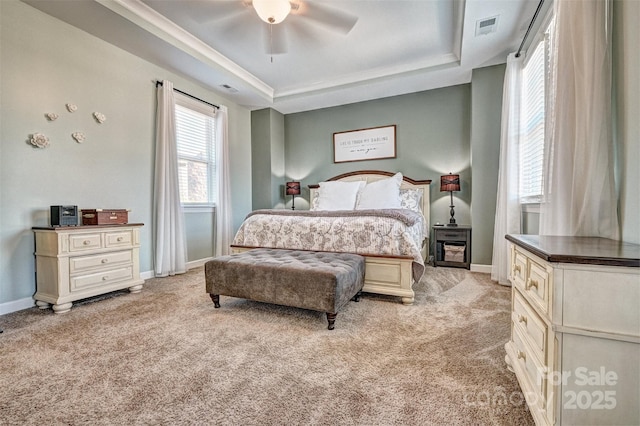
x=100 y=118
x=71 y=107
x=78 y=136
x=51 y=116
x=39 y=140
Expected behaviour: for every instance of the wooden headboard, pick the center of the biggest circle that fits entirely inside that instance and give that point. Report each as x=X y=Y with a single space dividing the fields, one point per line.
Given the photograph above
x=374 y=175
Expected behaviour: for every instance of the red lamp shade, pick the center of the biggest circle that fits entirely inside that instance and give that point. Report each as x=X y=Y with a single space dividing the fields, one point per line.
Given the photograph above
x=293 y=188
x=450 y=183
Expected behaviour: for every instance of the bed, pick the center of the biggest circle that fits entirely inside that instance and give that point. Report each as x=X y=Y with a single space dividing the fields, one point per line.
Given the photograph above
x=397 y=240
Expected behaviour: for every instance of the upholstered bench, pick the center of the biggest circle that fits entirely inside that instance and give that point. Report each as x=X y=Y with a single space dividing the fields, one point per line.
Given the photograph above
x=319 y=281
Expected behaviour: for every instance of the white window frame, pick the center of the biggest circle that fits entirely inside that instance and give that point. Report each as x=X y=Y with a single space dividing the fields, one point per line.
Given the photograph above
x=204 y=109
x=531 y=204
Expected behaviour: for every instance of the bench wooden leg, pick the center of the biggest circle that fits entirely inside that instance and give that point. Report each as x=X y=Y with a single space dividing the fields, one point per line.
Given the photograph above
x=356 y=298
x=216 y=300
x=331 y=318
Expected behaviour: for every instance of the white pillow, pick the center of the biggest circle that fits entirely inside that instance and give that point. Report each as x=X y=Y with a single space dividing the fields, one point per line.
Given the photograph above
x=338 y=195
x=381 y=194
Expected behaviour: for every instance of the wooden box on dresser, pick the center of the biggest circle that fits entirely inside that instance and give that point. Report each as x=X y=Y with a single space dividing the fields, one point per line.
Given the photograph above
x=76 y=262
x=575 y=329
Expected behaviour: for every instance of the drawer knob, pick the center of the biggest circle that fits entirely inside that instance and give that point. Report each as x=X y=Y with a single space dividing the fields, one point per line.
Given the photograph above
x=532 y=283
x=86 y=242
x=119 y=239
x=522 y=355
x=106 y=277
x=105 y=260
x=516 y=268
x=522 y=318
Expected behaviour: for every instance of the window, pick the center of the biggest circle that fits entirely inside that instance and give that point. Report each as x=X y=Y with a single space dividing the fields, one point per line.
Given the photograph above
x=532 y=120
x=532 y=132
x=195 y=133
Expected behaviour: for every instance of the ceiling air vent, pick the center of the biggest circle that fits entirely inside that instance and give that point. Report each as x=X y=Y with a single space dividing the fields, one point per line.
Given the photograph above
x=229 y=88
x=487 y=25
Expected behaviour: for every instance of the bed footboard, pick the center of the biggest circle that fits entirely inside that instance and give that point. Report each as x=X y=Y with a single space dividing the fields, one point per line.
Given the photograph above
x=388 y=275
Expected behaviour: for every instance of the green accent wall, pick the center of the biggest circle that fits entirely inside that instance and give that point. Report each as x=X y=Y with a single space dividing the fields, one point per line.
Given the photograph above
x=267 y=158
x=432 y=139
x=486 y=112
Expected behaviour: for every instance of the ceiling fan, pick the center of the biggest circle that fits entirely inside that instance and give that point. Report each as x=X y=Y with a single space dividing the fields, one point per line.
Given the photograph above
x=286 y=18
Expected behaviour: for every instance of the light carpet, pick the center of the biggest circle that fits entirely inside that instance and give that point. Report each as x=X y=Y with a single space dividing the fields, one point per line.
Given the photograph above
x=166 y=356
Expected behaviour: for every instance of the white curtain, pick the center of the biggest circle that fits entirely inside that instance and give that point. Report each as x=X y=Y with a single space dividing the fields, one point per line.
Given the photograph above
x=580 y=197
x=169 y=235
x=224 y=227
x=507 y=220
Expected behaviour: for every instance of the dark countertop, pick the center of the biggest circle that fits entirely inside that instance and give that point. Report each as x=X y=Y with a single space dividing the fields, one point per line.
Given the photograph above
x=583 y=250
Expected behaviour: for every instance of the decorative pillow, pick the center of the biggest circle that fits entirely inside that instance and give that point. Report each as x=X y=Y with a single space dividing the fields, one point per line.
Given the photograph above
x=411 y=199
x=338 y=195
x=314 y=200
x=381 y=194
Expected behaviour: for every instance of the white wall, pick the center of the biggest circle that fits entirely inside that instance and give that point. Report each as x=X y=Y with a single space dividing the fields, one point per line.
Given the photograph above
x=46 y=63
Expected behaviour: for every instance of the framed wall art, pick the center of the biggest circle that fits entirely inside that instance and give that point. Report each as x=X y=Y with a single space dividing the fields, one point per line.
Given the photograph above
x=374 y=143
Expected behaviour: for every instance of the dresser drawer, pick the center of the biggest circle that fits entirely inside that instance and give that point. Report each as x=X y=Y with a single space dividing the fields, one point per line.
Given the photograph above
x=101 y=278
x=519 y=269
x=531 y=326
x=83 y=263
x=537 y=285
x=84 y=242
x=118 y=239
x=535 y=372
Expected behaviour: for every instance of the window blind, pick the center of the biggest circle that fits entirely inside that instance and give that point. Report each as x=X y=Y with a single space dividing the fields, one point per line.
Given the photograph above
x=533 y=126
x=195 y=133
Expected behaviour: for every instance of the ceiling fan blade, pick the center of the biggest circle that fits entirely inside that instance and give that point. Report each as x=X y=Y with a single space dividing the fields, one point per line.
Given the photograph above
x=275 y=39
x=305 y=34
x=334 y=19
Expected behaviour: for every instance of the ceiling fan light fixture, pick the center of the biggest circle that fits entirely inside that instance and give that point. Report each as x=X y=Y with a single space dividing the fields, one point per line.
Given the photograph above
x=272 y=11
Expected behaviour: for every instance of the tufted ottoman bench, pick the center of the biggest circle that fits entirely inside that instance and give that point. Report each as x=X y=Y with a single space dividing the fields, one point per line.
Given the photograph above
x=319 y=281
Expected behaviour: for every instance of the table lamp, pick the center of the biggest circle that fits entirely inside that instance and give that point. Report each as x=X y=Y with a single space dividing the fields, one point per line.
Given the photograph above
x=293 y=189
x=450 y=183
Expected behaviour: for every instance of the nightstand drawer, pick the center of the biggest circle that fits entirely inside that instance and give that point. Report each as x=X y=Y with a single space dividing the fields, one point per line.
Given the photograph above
x=84 y=242
x=452 y=235
x=80 y=264
x=101 y=278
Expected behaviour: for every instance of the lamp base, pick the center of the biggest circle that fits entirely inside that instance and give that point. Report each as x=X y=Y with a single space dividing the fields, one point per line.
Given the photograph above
x=452 y=219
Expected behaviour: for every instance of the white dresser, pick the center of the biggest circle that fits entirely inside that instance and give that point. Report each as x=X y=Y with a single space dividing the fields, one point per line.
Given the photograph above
x=575 y=329
x=76 y=262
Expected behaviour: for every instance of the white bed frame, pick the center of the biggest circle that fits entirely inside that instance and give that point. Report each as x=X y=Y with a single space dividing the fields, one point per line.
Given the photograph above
x=390 y=275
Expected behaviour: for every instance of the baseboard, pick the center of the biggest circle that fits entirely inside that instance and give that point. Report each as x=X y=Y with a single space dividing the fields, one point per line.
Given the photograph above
x=485 y=269
x=147 y=275
x=16 y=305
x=198 y=263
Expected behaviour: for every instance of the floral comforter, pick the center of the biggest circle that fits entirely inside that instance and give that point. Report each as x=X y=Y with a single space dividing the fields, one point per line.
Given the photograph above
x=396 y=232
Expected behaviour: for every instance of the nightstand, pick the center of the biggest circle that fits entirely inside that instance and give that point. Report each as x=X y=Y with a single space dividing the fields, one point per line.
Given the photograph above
x=452 y=246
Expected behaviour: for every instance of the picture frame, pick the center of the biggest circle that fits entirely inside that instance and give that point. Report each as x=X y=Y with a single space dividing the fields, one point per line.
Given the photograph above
x=374 y=143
